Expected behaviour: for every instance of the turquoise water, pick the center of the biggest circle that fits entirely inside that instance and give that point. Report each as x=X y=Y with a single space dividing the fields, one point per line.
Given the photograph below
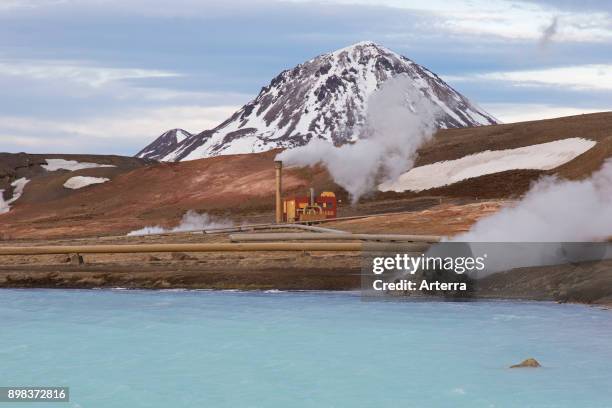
x=252 y=349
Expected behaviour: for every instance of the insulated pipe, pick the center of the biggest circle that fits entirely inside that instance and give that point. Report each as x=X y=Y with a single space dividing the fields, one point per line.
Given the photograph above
x=250 y=227
x=310 y=228
x=147 y=248
x=278 y=166
x=247 y=227
x=308 y=236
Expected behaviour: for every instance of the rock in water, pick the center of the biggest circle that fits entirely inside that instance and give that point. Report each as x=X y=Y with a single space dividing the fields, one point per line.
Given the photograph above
x=530 y=362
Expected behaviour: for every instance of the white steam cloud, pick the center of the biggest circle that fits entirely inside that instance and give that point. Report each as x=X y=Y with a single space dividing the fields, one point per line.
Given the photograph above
x=555 y=223
x=191 y=221
x=4 y=207
x=399 y=120
x=553 y=211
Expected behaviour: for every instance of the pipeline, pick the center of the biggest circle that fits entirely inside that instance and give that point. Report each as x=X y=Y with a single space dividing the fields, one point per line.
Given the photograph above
x=148 y=248
x=296 y=224
x=250 y=227
x=308 y=236
x=306 y=227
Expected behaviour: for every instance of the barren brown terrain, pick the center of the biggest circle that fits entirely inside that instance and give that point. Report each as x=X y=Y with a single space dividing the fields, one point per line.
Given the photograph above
x=445 y=219
x=240 y=187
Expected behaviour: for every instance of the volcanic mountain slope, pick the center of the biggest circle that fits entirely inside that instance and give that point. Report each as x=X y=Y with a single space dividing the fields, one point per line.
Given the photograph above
x=241 y=187
x=325 y=97
x=163 y=144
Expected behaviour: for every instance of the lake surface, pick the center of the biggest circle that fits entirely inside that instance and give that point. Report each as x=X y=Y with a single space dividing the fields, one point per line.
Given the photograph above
x=173 y=349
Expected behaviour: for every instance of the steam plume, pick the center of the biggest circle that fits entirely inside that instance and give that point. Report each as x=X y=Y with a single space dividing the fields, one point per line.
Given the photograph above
x=191 y=221
x=553 y=211
x=398 y=121
x=4 y=207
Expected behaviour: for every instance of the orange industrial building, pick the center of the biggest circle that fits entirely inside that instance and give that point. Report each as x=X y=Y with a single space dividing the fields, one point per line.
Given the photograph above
x=303 y=208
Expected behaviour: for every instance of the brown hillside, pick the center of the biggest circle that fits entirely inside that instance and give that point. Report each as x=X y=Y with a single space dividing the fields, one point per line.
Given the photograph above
x=241 y=187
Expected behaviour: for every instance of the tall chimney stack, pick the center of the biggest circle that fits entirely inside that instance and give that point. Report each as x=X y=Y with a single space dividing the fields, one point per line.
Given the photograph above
x=278 y=165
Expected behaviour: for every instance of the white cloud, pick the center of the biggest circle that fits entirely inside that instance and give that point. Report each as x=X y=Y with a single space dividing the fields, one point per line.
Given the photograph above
x=85 y=80
x=530 y=25
x=8 y=5
x=140 y=124
x=142 y=8
x=123 y=117
x=584 y=77
x=594 y=77
x=500 y=19
x=131 y=130
x=488 y=19
x=24 y=142
x=76 y=71
x=521 y=112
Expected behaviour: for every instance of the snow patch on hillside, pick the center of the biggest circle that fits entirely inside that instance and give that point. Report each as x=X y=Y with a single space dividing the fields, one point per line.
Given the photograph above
x=82 y=181
x=181 y=135
x=71 y=165
x=544 y=156
x=18 y=186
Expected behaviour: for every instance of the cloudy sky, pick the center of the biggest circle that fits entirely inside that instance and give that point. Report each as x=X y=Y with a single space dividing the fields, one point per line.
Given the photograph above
x=108 y=76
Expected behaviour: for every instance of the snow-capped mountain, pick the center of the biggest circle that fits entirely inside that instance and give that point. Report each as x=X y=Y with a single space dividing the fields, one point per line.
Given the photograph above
x=164 y=144
x=325 y=97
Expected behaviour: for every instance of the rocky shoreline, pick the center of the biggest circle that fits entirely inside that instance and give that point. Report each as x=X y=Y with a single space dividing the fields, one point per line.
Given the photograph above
x=584 y=284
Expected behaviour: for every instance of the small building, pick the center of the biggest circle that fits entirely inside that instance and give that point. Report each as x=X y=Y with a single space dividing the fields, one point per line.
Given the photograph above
x=304 y=208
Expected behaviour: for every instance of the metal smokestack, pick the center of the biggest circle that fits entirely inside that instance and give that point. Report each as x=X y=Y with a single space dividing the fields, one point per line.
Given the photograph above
x=312 y=197
x=278 y=165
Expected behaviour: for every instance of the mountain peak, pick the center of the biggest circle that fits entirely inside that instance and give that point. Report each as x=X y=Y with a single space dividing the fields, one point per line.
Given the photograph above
x=365 y=43
x=362 y=48
x=165 y=144
x=360 y=44
x=326 y=98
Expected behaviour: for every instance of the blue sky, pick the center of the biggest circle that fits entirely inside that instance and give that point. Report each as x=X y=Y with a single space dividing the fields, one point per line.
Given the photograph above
x=108 y=76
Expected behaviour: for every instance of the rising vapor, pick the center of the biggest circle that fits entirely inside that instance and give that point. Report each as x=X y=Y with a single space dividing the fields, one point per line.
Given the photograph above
x=399 y=120
x=553 y=211
x=191 y=221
